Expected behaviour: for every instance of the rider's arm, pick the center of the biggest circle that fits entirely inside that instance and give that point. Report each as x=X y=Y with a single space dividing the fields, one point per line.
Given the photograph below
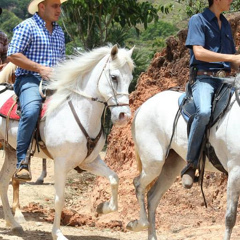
x=23 y=62
x=205 y=55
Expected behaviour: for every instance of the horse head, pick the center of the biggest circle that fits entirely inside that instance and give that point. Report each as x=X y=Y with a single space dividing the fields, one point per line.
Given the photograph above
x=114 y=82
x=101 y=75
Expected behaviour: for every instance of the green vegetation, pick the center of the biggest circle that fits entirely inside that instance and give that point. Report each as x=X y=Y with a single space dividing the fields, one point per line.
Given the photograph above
x=8 y=21
x=93 y=23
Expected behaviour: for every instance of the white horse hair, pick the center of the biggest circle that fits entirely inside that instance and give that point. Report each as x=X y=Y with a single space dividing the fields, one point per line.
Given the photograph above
x=90 y=82
x=7 y=72
x=152 y=129
x=76 y=68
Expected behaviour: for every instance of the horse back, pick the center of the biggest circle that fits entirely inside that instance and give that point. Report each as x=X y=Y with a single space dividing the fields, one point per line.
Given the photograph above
x=158 y=110
x=155 y=117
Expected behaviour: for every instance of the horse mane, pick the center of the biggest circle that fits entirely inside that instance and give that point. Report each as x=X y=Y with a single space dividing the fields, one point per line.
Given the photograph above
x=69 y=73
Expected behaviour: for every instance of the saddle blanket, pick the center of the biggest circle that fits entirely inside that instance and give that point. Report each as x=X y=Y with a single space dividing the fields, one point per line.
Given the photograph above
x=9 y=109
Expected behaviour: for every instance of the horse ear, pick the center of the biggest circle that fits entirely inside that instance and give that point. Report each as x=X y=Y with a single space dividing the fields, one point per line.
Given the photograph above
x=130 y=52
x=114 y=51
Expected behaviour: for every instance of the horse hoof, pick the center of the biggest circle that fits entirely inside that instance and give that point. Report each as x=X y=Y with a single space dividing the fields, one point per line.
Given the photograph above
x=100 y=208
x=19 y=218
x=135 y=226
x=18 y=231
x=103 y=208
x=39 y=182
x=131 y=225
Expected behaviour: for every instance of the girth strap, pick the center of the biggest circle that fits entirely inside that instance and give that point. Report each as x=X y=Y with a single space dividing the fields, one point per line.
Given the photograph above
x=91 y=143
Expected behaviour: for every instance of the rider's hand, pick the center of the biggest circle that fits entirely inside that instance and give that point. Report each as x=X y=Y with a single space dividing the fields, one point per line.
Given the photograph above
x=45 y=72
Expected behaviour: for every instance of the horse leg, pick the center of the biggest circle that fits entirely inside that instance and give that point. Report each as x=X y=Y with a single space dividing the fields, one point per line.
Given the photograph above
x=171 y=169
x=233 y=191
x=16 y=205
x=152 y=166
x=99 y=168
x=40 y=180
x=7 y=171
x=60 y=180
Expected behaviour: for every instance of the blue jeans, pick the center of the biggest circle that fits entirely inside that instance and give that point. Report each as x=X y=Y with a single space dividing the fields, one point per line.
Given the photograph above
x=203 y=90
x=27 y=89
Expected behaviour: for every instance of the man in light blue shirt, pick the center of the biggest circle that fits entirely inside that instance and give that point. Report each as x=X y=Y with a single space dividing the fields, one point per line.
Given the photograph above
x=212 y=55
x=37 y=45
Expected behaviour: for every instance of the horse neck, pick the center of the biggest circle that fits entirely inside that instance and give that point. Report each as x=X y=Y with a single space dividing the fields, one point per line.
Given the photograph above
x=90 y=82
x=91 y=111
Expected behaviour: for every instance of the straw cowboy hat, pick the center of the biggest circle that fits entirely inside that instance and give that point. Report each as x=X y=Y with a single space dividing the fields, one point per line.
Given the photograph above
x=33 y=5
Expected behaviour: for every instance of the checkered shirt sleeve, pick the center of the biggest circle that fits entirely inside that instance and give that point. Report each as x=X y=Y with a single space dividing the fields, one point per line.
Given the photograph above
x=32 y=39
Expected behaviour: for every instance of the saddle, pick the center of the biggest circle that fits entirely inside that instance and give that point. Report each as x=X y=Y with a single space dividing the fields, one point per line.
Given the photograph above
x=220 y=104
x=11 y=110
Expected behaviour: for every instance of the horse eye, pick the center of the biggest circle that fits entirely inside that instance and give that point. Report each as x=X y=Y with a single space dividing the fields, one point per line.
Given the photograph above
x=114 y=78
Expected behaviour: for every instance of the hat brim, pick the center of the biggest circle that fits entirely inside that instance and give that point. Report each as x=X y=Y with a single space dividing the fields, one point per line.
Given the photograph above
x=33 y=5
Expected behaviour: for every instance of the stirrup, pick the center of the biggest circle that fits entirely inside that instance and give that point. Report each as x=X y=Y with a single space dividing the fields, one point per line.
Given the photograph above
x=27 y=168
x=189 y=165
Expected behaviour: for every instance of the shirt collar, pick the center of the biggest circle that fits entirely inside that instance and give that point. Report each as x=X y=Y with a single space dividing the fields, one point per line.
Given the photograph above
x=209 y=15
x=40 y=21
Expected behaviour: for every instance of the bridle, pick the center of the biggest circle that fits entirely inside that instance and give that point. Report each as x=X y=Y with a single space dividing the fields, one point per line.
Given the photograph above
x=115 y=93
x=92 y=142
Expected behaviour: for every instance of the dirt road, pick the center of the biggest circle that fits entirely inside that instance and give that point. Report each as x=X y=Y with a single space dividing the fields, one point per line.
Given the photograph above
x=37 y=202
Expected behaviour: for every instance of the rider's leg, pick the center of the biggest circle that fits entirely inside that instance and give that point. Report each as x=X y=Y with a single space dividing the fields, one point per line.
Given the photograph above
x=202 y=90
x=26 y=88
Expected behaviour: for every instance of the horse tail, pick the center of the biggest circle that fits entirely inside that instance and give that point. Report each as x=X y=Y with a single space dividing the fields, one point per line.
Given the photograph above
x=138 y=160
x=6 y=74
x=139 y=168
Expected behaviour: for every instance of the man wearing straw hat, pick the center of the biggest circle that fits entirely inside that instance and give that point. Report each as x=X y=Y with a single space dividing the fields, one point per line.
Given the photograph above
x=37 y=45
x=3 y=47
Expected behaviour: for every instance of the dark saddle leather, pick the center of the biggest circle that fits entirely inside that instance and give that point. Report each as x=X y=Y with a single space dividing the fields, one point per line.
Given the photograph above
x=220 y=103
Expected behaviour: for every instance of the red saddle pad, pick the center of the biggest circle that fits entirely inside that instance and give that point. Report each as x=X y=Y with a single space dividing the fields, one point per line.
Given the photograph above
x=9 y=108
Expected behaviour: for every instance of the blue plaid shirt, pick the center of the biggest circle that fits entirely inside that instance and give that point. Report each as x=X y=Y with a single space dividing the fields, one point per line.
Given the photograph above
x=32 y=39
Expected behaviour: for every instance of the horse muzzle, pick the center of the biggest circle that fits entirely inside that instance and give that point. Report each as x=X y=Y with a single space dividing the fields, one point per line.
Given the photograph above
x=121 y=115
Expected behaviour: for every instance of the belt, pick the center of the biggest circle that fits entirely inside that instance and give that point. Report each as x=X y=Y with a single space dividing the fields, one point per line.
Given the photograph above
x=220 y=74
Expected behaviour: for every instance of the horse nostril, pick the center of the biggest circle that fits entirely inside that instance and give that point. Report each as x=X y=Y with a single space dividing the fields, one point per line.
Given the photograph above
x=122 y=116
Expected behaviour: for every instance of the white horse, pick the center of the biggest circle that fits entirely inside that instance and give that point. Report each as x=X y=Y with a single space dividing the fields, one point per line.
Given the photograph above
x=88 y=83
x=152 y=130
